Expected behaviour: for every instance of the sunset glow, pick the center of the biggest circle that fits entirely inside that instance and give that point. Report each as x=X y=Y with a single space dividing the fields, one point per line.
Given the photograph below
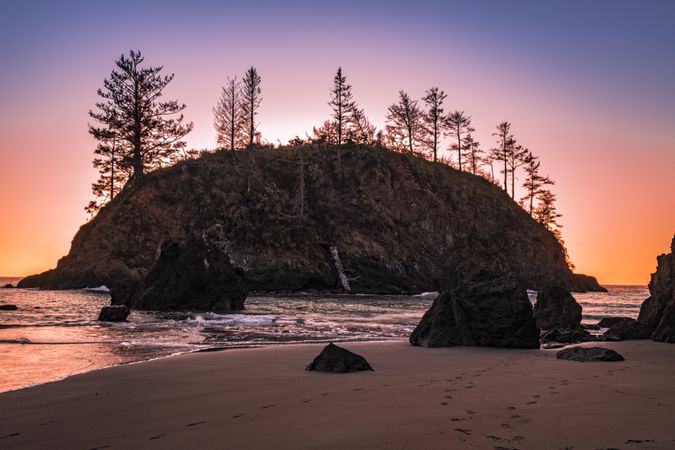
x=597 y=104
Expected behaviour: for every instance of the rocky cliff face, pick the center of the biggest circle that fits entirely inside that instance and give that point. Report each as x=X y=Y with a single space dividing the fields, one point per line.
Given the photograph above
x=396 y=224
x=657 y=313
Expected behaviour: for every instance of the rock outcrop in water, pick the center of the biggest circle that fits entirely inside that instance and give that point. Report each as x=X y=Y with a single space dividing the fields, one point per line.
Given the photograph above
x=487 y=310
x=399 y=223
x=115 y=313
x=195 y=274
x=557 y=308
x=338 y=360
x=585 y=283
x=657 y=313
x=623 y=328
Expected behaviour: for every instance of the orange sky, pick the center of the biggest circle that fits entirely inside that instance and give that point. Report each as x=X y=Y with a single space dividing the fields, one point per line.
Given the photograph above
x=601 y=119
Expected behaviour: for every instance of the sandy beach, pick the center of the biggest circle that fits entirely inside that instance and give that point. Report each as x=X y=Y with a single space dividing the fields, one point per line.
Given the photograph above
x=416 y=399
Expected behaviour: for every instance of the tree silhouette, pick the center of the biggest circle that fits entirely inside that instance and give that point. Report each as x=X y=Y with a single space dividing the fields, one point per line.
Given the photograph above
x=326 y=133
x=534 y=182
x=342 y=104
x=433 y=118
x=501 y=153
x=362 y=130
x=546 y=212
x=516 y=158
x=148 y=133
x=405 y=127
x=251 y=97
x=227 y=116
x=472 y=152
x=112 y=173
x=457 y=123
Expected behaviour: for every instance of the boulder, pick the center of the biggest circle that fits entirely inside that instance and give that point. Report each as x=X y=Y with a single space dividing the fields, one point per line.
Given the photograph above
x=627 y=328
x=607 y=322
x=193 y=275
x=657 y=313
x=586 y=283
x=556 y=308
x=589 y=354
x=8 y=308
x=338 y=360
x=486 y=310
x=588 y=326
x=115 y=313
x=8 y=286
x=567 y=336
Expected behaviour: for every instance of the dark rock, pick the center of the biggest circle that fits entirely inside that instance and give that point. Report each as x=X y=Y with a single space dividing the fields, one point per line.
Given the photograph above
x=657 y=313
x=361 y=213
x=8 y=308
x=338 y=360
x=556 y=308
x=627 y=328
x=586 y=283
x=196 y=274
x=486 y=310
x=115 y=313
x=8 y=286
x=567 y=336
x=589 y=354
x=607 y=322
x=587 y=326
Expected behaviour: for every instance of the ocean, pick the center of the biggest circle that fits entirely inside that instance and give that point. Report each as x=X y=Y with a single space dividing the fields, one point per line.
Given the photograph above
x=54 y=334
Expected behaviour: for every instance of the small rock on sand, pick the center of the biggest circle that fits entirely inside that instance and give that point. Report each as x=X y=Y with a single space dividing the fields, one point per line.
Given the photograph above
x=589 y=354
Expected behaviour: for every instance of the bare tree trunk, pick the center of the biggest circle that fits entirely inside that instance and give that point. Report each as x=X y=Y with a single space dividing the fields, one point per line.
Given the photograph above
x=459 y=148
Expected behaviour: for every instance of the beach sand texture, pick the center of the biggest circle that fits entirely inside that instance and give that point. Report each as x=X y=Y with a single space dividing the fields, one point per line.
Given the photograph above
x=417 y=398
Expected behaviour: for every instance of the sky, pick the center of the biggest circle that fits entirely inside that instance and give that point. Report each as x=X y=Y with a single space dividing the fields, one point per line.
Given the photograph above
x=589 y=86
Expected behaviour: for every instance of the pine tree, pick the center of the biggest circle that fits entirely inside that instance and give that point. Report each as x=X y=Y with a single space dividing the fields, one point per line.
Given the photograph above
x=149 y=135
x=534 y=182
x=546 y=213
x=472 y=152
x=326 y=133
x=501 y=152
x=227 y=116
x=516 y=157
x=362 y=130
x=433 y=118
x=112 y=173
x=251 y=97
x=405 y=127
x=457 y=124
x=342 y=104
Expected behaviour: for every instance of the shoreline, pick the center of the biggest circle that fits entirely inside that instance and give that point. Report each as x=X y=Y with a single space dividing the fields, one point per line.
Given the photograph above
x=457 y=397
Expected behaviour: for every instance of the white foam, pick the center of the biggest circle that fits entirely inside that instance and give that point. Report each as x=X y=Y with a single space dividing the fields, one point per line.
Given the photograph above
x=102 y=289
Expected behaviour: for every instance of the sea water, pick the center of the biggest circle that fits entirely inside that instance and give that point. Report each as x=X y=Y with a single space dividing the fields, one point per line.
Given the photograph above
x=54 y=334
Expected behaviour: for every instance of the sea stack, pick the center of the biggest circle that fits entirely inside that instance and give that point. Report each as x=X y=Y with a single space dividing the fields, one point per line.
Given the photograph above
x=488 y=310
x=657 y=313
x=194 y=274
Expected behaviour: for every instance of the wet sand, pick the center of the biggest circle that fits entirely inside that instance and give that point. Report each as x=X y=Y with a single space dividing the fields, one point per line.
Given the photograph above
x=417 y=398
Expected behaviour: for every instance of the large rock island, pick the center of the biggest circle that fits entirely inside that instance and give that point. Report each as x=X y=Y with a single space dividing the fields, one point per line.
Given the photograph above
x=372 y=221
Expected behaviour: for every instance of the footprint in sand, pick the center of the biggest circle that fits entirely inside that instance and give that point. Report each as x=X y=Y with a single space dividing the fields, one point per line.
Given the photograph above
x=531 y=403
x=236 y=416
x=460 y=419
x=470 y=411
x=444 y=403
x=159 y=436
x=10 y=435
x=358 y=389
x=307 y=401
x=536 y=396
x=463 y=431
x=101 y=447
x=267 y=406
x=193 y=424
x=511 y=408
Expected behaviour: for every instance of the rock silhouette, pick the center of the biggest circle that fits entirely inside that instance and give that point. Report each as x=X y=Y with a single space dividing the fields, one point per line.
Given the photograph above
x=115 y=313
x=338 y=360
x=589 y=354
x=487 y=310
